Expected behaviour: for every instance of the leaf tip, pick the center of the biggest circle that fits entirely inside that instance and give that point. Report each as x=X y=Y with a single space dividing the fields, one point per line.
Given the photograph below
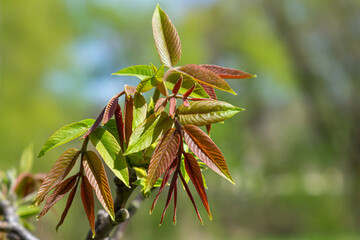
x=40 y=154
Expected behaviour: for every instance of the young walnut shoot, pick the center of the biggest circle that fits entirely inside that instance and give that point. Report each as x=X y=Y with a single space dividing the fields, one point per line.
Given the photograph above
x=150 y=139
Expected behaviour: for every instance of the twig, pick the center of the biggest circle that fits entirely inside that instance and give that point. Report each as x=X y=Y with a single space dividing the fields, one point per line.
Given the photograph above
x=104 y=225
x=121 y=228
x=11 y=224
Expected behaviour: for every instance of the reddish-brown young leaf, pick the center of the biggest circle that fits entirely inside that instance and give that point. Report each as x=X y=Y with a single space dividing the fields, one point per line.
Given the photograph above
x=68 y=205
x=58 y=172
x=209 y=90
x=177 y=85
x=64 y=187
x=205 y=149
x=24 y=184
x=188 y=92
x=128 y=113
x=170 y=193
x=95 y=125
x=186 y=103
x=224 y=72
x=160 y=85
x=191 y=197
x=163 y=156
x=208 y=129
x=167 y=175
x=205 y=76
x=167 y=40
x=120 y=126
x=160 y=105
x=88 y=202
x=129 y=90
x=194 y=172
x=95 y=173
x=200 y=99
x=172 y=108
x=111 y=107
x=175 y=204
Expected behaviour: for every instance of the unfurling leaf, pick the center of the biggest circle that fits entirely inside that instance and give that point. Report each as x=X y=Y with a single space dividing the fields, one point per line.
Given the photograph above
x=172 y=189
x=66 y=134
x=120 y=126
x=191 y=197
x=140 y=109
x=177 y=86
x=95 y=173
x=128 y=117
x=187 y=83
x=87 y=198
x=167 y=40
x=224 y=72
x=148 y=132
x=58 y=172
x=59 y=192
x=189 y=92
x=95 y=125
x=111 y=107
x=172 y=108
x=140 y=71
x=205 y=149
x=163 y=156
x=202 y=113
x=68 y=205
x=129 y=90
x=109 y=149
x=193 y=169
x=208 y=129
x=209 y=90
x=160 y=105
x=186 y=103
x=205 y=76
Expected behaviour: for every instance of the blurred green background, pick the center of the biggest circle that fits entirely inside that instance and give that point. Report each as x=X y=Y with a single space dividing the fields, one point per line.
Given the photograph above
x=294 y=153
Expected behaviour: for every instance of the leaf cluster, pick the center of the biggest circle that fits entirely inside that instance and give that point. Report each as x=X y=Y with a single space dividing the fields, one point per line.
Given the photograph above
x=157 y=138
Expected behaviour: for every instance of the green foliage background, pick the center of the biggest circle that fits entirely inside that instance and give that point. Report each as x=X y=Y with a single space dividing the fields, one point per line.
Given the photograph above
x=294 y=153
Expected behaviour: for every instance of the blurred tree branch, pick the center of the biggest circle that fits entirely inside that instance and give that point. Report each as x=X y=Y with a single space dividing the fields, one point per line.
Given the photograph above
x=11 y=225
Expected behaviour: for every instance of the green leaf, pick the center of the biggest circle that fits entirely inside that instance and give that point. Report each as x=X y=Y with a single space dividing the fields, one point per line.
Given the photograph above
x=24 y=211
x=183 y=171
x=206 y=112
x=140 y=109
x=156 y=80
x=148 y=132
x=167 y=40
x=205 y=76
x=27 y=159
x=146 y=84
x=140 y=71
x=188 y=82
x=109 y=149
x=66 y=134
x=112 y=128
